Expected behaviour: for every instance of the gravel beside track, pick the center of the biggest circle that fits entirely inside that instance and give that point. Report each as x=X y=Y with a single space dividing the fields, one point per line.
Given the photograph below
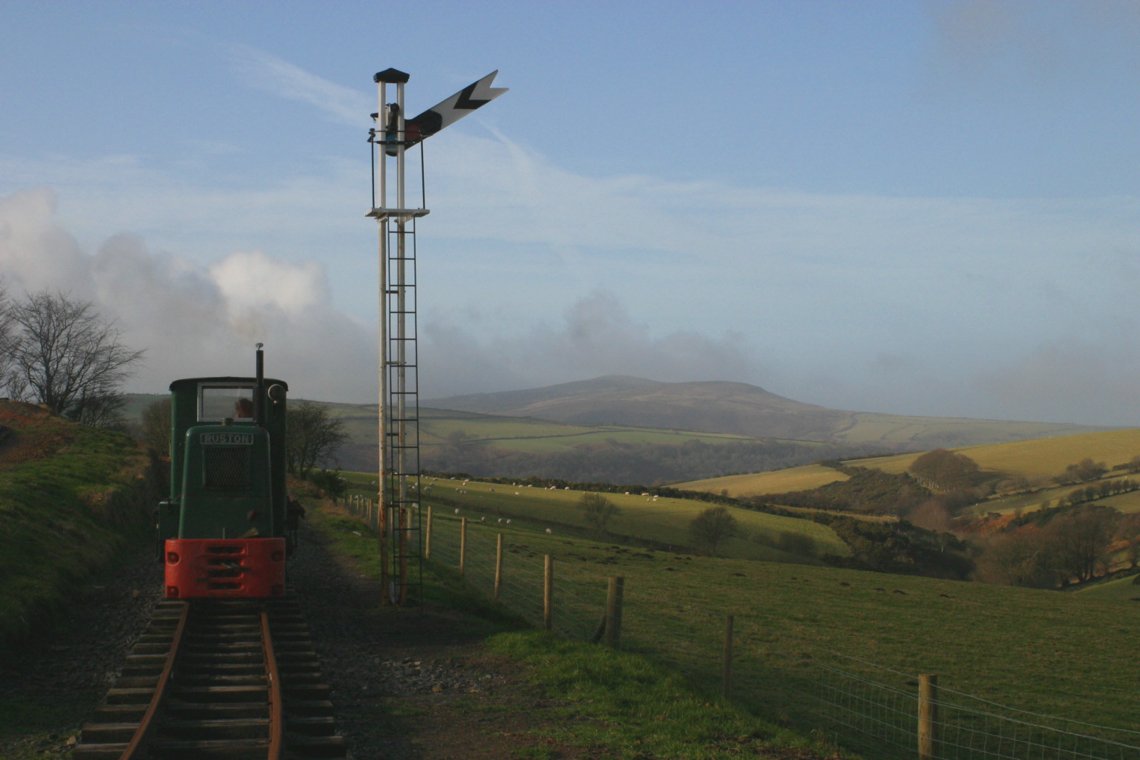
x=407 y=683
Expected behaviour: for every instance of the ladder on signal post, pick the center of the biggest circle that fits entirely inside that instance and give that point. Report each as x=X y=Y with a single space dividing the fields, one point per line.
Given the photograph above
x=398 y=481
x=403 y=430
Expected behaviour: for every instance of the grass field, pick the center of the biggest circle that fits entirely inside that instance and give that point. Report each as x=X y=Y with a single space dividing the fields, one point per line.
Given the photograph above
x=439 y=427
x=618 y=704
x=1049 y=653
x=661 y=521
x=761 y=483
x=930 y=432
x=1122 y=589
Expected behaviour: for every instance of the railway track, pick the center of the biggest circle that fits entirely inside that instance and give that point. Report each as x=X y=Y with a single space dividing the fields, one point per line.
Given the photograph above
x=217 y=679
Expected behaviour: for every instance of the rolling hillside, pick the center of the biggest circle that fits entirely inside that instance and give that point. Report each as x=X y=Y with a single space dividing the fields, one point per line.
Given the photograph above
x=630 y=430
x=739 y=409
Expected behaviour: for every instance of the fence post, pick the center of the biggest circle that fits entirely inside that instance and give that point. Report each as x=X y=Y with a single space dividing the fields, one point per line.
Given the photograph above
x=462 y=543
x=498 y=564
x=927 y=715
x=726 y=672
x=548 y=593
x=427 y=536
x=613 y=611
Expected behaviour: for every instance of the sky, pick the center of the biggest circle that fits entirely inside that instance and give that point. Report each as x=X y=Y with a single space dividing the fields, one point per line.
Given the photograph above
x=927 y=208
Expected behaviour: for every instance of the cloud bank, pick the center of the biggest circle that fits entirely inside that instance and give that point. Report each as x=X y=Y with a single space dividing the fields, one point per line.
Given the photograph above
x=193 y=321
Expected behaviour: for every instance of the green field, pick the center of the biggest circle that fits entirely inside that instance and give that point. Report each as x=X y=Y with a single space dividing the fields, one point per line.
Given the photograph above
x=796 y=626
x=440 y=427
x=901 y=431
x=1026 y=649
x=1122 y=589
x=642 y=516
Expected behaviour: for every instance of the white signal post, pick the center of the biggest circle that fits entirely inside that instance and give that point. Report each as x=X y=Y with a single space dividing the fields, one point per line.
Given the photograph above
x=390 y=138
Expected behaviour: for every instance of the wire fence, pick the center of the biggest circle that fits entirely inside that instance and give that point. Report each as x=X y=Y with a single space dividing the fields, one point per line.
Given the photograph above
x=859 y=705
x=876 y=714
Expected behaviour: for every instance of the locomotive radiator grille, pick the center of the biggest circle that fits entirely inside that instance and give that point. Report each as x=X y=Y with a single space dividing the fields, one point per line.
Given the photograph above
x=226 y=467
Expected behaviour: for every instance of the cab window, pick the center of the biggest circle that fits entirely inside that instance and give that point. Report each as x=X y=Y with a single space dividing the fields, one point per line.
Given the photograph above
x=216 y=403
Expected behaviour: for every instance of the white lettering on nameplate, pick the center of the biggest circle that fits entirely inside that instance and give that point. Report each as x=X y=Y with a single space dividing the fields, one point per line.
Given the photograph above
x=232 y=439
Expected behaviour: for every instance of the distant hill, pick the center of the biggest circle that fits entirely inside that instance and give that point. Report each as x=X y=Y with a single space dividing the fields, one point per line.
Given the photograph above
x=739 y=409
x=620 y=429
x=709 y=407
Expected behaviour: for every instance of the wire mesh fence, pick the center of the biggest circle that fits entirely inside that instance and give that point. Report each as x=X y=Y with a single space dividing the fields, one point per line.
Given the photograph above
x=877 y=711
x=855 y=704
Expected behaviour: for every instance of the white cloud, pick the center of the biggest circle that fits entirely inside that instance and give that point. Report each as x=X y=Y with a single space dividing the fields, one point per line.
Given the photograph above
x=268 y=72
x=193 y=320
x=596 y=336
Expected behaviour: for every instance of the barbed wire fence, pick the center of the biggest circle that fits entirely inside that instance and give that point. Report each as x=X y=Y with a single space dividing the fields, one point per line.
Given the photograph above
x=856 y=704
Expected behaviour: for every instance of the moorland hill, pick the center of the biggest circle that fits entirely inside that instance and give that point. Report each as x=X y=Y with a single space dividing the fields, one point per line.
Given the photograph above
x=738 y=409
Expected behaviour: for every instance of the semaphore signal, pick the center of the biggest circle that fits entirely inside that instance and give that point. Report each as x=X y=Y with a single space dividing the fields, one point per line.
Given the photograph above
x=398 y=470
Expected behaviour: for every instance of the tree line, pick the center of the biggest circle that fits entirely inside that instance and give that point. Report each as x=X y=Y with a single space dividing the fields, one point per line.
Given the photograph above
x=1073 y=542
x=1060 y=546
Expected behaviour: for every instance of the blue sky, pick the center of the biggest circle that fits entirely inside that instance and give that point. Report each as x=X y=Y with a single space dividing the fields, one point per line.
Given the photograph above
x=908 y=207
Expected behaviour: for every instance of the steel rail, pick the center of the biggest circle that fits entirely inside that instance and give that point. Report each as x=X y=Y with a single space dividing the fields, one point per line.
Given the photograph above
x=276 y=707
x=141 y=738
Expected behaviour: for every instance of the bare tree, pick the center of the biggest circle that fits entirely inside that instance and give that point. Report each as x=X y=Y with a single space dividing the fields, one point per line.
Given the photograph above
x=7 y=334
x=68 y=359
x=314 y=436
x=1015 y=558
x=1077 y=542
x=598 y=511
x=711 y=527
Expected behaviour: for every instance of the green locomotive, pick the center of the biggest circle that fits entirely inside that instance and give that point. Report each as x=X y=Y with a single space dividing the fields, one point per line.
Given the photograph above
x=228 y=524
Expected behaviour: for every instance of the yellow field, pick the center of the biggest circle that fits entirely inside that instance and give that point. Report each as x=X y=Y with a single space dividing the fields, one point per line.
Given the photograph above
x=760 y=483
x=1035 y=460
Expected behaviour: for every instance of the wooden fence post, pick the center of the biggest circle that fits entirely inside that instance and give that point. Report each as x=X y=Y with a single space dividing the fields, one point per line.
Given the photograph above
x=498 y=564
x=462 y=543
x=548 y=593
x=427 y=536
x=613 y=611
x=927 y=715
x=726 y=672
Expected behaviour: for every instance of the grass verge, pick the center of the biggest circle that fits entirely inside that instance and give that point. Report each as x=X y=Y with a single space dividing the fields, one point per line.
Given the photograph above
x=610 y=704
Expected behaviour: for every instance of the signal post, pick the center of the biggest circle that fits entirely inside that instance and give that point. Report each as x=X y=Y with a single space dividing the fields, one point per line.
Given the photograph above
x=398 y=470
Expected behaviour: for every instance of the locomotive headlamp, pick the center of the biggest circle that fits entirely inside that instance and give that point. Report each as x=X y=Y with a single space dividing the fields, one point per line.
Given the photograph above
x=276 y=393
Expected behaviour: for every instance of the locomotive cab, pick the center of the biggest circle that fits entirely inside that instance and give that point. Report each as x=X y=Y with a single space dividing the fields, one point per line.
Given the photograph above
x=224 y=529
